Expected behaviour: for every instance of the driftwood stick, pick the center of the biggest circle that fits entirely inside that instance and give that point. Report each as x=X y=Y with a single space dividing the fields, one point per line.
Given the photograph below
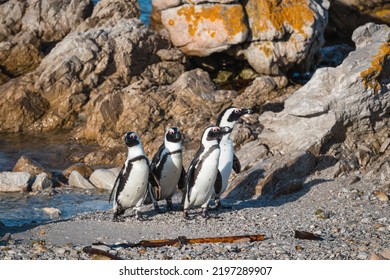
x=182 y=240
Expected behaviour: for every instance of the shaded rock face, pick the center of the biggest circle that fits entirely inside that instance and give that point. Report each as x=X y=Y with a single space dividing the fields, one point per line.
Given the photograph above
x=358 y=12
x=189 y=103
x=341 y=114
x=28 y=28
x=273 y=36
x=80 y=70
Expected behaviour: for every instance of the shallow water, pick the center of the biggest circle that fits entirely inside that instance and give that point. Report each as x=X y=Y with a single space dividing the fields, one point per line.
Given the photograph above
x=18 y=209
x=52 y=151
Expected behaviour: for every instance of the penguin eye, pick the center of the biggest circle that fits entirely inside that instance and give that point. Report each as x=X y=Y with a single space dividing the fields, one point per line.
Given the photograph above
x=215 y=129
x=133 y=136
x=237 y=110
x=171 y=131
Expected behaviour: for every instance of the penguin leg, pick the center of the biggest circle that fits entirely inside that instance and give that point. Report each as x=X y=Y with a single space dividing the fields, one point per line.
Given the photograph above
x=205 y=213
x=157 y=208
x=170 y=206
x=186 y=214
x=117 y=212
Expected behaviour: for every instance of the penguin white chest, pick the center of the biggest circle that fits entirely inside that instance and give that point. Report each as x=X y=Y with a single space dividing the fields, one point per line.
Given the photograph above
x=170 y=175
x=203 y=187
x=225 y=164
x=135 y=187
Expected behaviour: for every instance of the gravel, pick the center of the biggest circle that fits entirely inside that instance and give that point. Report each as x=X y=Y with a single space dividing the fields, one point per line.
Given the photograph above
x=351 y=222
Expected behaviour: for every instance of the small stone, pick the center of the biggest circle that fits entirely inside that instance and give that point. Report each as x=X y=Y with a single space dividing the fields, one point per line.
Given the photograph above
x=386 y=253
x=362 y=256
x=376 y=257
x=365 y=220
x=42 y=182
x=381 y=196
x=384 y=146
x=54 y=213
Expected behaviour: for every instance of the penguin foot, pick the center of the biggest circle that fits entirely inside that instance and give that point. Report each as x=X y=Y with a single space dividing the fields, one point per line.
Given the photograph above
x=186 y=215
x=170 y=206
x=158 y=209
x=205 y=213
x=139 y=217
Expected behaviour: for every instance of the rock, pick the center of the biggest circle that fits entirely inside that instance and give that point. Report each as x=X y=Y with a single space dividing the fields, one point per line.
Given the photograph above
x=42 y=182
x=204 y=29
x=284 y=34
x=26 y=164
x=104 y=178
x=362 y=256
x=383 y=197
x=29 y=29
x=109 y=12
x=54 y=213
x=384 y=145
x=386 y=254
x=77 y=180
x=337 y=105
x=83 y=169
x=78 y=71
x=358 y=13
x=374 y=256
x=190 y=102
x=14 y=181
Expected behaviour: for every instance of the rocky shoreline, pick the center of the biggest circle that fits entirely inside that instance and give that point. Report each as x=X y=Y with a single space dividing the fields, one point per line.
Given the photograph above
x=347 y=218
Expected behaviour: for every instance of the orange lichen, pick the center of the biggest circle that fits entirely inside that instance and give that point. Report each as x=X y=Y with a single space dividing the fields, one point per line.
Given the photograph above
x=370 y=75
x=268 y=14
x=171 y=22
x=266 y=48
x=231 y=17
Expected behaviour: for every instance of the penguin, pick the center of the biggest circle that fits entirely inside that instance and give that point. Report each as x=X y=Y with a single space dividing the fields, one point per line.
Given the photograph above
x=131 y=185
x=167 y=168
x=227 y=158
x=203 y=177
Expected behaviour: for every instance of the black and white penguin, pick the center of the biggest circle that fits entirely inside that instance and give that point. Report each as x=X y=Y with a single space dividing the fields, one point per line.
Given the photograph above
x=227 y=159
x=131 y=185
x=203 y=177
x=167 y=168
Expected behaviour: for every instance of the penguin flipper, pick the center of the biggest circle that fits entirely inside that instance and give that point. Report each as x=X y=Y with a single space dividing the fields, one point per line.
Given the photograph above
x=236 y=164
x=182 y=179
x=218 y=183
x=116 y=183
x=190 y=178
x=154 y=189
x=156 y=159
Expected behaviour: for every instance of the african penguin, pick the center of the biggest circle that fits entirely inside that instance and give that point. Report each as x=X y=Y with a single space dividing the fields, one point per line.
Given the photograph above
x=203 y=175
x=227 y=159
x=131 y=185
x=167 y=168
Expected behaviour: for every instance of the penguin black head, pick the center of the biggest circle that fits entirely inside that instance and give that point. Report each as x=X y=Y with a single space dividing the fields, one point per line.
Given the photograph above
x=173 y=135
x=212 y=133
x=230 y=115
x=132 y=139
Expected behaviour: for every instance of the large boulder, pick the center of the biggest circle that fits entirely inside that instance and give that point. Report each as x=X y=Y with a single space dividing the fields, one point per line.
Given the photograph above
x=204 y=29
x=14 y=181
x=29 y=28
x=80 y=70
x=189 y=103
x=347 y=104
x=273 y=36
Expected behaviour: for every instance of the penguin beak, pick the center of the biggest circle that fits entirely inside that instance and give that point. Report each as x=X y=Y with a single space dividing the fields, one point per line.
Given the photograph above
x=225 y=130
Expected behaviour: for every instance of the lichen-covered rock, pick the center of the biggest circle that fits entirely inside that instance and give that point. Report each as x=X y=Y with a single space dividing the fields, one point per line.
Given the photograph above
x=273 y=36
x=348 y=104
x=204 y=29
x=83 y=169
x=284 y=34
